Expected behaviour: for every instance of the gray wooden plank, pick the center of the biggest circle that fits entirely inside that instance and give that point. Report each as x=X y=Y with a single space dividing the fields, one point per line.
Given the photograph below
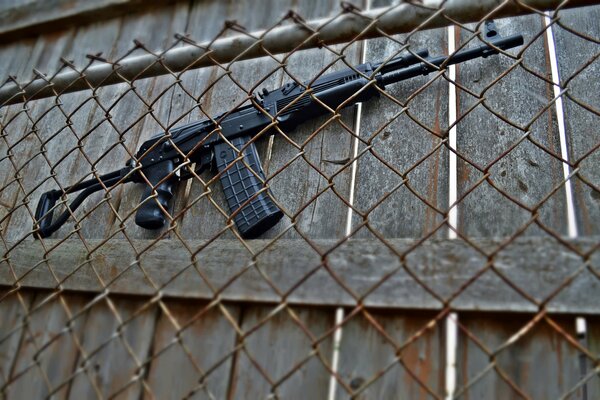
x=581 y=125
x=7 y=4
x=13 y=309
x=279 y=357
x=401 y=143
x=199 y=218
x=48 y=351
x=126 y=111
x=527 y=174
x=109 y=372
x=541 y=364
x=173 y=107
x=19 y=142
x=314 y=161
x=13 y=119
x=201 y=346
x=18 y=139
x=379 y=359
x=21 y=59
x=33 y=17
x=367 y=269
x=116 y=339
x=14 y=55
x=593 y=345
x=58 y=139
x=202 y=219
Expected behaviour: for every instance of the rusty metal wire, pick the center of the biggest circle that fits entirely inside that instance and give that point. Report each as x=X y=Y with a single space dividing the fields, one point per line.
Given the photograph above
x=155 y=322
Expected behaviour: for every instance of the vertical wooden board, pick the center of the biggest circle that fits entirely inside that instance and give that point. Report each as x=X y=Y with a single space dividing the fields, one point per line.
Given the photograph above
x=58 y=134
x=12 y=119
x=126 y=109
x=319 y=154
x=190 y=103
x=115 y=350
x=202 y=219
x=13 y=309
x=593 y=345
x=88 y=123
x=19 y=141
x=541 y=364
x=402 y=143
x=527 y=174
x=14 y=60
x=172 y=105
x=160 y=98
x=48 y=351
x=14 y=55
x=112 y=368
x=581 y=124
x=196 y=360
x=169 y=105
x=325 y=150
x=279 y=358
x=368 y=363
x=15 y=124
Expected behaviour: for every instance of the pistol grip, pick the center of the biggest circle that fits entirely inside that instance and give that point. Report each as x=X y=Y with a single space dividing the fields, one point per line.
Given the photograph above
x=149 y=215
x=255 y=212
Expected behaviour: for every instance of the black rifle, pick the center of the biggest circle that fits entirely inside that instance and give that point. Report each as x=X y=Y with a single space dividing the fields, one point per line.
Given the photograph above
x=164 y=159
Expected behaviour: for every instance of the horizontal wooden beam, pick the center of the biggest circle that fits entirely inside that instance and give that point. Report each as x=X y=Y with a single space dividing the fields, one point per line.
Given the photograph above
x=365 y=271
x=35 y=17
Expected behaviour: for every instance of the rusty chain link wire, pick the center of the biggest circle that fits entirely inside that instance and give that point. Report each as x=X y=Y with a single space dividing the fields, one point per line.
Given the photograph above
x=396 y=211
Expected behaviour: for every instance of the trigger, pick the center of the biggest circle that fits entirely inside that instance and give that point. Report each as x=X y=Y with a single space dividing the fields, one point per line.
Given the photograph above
x=205 y=162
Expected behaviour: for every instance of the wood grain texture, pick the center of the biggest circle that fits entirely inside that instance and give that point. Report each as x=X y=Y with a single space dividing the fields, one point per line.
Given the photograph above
x=279 y=357
x=190 y=100
x=26 y=18
x=13 y=309
x=15 y=57
x=527 y=174
x=308 y=171
x=18 y=140
x=538 y=267
x=158 y=94
x=48 y=351
x=192 y=351
x=541 y=364
x=394 y=137
x=126 y=106
x=593 y=345
x=202 y=218
x=20 y=143
x=378 y=359
x=110 y=371
x=14 y=122
x=116 y=340
x=581 y=124
x=175 y=102
x=59 y=130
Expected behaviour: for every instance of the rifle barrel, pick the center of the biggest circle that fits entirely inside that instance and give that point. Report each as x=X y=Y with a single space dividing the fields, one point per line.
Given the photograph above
x=432 y=64
x=402 y=61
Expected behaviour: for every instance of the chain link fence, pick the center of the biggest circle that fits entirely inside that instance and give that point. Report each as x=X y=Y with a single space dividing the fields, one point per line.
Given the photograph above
x=438 y=241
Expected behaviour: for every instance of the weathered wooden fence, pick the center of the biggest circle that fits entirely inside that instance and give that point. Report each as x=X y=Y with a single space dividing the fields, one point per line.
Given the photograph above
x=439 y=241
